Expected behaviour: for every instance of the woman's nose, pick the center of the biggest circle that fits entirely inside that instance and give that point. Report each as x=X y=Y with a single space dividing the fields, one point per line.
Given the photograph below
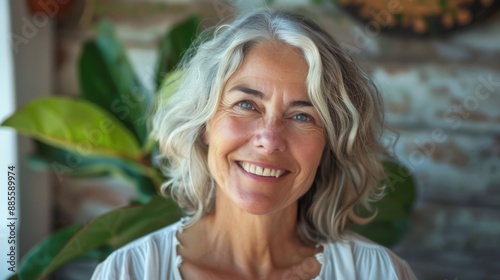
x=269 y=137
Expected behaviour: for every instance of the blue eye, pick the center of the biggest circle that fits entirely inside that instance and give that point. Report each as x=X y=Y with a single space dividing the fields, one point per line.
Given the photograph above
x=302 y=118
x=246 y=105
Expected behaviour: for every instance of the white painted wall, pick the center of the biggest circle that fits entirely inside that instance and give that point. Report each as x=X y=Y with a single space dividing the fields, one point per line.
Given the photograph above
x=7 y=137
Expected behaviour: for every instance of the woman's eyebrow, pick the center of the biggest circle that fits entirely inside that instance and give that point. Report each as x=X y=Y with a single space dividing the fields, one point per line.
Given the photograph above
x=300 y=103
x=248 y=90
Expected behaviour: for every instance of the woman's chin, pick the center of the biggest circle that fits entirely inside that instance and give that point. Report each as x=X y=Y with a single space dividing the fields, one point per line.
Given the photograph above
x=251 y=199
x=257 y=204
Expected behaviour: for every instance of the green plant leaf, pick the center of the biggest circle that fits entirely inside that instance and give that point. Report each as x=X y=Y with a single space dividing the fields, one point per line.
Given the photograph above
x=399 y=177
x=387 y=233
x=41 y=255
x=75 y=125
x=115 y=228
x=394 y=210
x=174 y=43
x=170 y=84
x=108 y=80
x=35 y=261
x=146 y=187
x=70 y=163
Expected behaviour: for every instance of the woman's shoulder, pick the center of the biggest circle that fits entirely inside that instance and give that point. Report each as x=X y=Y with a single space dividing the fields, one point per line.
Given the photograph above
x=140 y=258
x=160 y=238
x=362 y=258
x=157 y=241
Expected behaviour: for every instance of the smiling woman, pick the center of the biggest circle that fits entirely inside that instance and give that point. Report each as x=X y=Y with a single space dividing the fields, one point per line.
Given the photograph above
x=265 y=123
x=272 y=141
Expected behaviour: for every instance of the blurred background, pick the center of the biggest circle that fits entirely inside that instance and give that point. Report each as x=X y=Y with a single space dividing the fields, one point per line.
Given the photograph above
x=437 y=64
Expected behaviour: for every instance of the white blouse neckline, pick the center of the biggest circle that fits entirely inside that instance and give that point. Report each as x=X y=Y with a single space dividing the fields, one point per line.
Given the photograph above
x=320 y=257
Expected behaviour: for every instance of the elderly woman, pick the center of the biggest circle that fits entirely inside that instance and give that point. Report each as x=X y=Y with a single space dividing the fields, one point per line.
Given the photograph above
x=272 y=143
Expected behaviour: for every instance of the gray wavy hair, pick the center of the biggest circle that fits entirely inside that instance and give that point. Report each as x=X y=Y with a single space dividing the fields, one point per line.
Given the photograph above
x=350 y=172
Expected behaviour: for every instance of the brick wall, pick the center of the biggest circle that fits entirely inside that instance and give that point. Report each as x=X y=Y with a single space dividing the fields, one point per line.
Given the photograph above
x=443 y=96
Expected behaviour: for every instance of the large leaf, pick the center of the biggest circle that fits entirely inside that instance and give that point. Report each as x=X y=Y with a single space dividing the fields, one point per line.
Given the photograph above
x=41 y=255
x=108 y=80
x=69 y=163
x=113 y=229
x=170 y=84
x=394 y=210
x=401 y=186
x=175 y=42
x=75 y=125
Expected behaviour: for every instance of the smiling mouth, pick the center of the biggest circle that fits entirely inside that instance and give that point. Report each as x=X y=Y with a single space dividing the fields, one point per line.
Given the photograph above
x=261 y=171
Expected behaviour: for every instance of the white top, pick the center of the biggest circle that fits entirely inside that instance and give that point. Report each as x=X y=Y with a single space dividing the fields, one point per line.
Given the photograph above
x=154 y=256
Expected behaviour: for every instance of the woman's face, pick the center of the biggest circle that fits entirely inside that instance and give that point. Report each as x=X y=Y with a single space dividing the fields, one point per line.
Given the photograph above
x=266 y=139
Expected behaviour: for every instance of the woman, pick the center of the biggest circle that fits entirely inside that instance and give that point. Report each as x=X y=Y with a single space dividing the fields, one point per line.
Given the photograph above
x=272 y=142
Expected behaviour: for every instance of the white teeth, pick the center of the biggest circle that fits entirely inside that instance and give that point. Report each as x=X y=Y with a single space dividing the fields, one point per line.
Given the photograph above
x=257 y=170
x=267 y=172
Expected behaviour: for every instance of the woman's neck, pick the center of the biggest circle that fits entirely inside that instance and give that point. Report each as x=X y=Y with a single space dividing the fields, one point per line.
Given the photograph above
x=251 y=244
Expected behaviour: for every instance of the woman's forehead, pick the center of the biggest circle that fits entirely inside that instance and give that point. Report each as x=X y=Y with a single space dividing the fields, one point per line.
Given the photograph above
x=272 y=62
